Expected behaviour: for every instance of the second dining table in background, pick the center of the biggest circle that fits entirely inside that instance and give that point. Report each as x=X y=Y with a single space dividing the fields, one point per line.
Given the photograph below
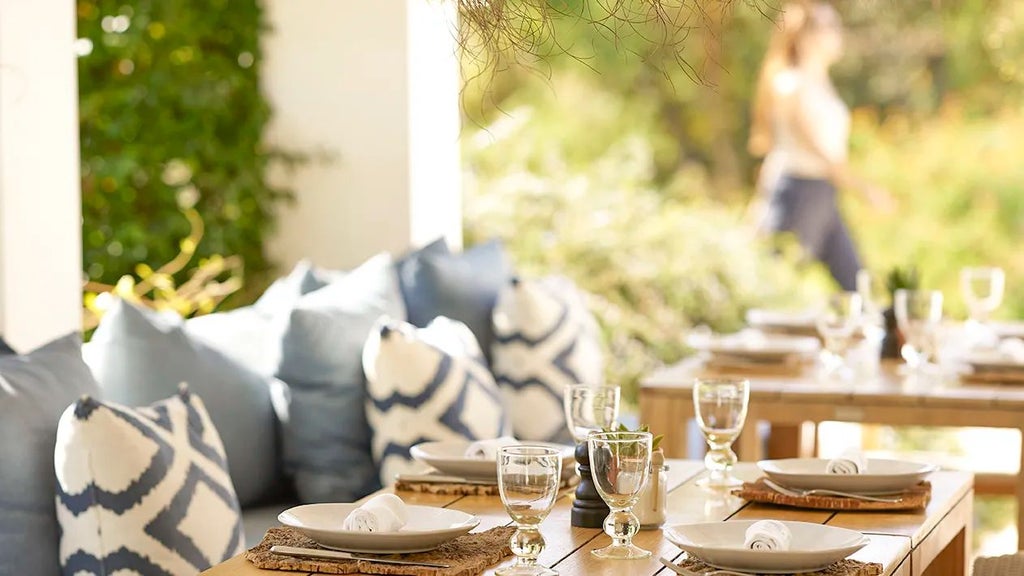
x=666 y=405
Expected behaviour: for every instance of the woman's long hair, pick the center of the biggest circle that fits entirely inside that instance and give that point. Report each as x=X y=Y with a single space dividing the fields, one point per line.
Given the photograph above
x=783 y=52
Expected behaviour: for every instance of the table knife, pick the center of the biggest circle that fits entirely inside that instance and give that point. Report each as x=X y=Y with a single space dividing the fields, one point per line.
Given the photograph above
x=338 y=555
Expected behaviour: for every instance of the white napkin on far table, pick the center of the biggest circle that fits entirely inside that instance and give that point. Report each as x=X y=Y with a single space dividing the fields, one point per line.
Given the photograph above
x=849 y=462
x=382 y=513
x=488 y=449
x=767 y=536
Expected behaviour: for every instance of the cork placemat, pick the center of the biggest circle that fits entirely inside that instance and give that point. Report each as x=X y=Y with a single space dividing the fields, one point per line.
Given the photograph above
x=466 y=555
x=911 y=499
x=456 y=489
x=845 y=567
x=792 y=365
x=1008 y=377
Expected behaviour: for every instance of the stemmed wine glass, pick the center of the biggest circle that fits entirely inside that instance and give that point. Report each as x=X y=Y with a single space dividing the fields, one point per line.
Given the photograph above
x=528 y=478
x=838 y=323
x=620 y=463
x=590 y=409
x=918 y=313
x=983 y=291
x=721 y=409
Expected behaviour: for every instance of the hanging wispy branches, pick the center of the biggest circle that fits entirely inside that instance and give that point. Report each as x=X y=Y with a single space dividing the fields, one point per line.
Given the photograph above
x=496 y=34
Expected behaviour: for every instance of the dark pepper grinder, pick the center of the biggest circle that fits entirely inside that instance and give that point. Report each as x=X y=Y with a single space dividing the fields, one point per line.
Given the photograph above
x=588 y=508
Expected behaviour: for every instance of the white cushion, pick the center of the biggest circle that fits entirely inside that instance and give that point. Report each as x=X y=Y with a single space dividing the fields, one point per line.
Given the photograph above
x=426 y=384
x=143 y=491
x=544 y=340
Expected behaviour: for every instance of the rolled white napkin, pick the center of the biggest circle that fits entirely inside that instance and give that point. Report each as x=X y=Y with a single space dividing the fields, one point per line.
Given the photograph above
x=382 y=513
x=488 y=449
x=849 y=462
x=767 y=536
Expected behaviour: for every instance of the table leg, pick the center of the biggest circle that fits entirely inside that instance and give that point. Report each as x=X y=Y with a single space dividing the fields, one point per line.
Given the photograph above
x=1020 y=496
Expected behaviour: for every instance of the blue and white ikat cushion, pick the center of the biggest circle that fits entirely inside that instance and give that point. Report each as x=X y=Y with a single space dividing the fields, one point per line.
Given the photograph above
x=427 y=384
x=143 y=490
x=545 y=339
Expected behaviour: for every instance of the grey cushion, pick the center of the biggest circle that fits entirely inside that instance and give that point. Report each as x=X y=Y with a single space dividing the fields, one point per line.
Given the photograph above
x=408 y=267
x=247 y=335
x=34 y=391
x=461 y=286
x=327 y=439
x=140 y=356
x=286 y=291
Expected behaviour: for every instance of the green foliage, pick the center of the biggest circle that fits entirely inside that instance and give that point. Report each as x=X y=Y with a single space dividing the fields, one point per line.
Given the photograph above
x=902 y=278
x=655 y=440
x=172 y=117
x=569 y=184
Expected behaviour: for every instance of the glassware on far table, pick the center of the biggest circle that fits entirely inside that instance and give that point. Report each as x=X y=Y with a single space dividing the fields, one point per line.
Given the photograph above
x=590 y=409
x=982 y=290
x=528 y=478
x=838 y=323
x=721 y=409
x=620 y=463
x=918 y=315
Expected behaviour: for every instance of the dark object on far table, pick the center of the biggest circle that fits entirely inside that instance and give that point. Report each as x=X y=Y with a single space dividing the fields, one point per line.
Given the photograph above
x=891 y=341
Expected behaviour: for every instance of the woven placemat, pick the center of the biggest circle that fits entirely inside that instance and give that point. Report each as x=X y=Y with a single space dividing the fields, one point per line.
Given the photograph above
x=842 y=568
x=467 y=555
x=455 y=489
x=911 y=499
x=1008 y=377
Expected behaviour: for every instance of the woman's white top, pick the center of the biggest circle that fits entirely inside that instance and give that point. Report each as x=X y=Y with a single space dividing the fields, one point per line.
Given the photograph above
x=827 y=125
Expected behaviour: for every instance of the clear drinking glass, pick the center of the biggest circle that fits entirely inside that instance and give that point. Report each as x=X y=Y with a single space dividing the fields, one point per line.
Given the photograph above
x=873 y=292
x=620 y=463
x=721 y=408
x=528 y=479
x=983 y=291
x=918 y=314
x=838 y=323
x=590 y=409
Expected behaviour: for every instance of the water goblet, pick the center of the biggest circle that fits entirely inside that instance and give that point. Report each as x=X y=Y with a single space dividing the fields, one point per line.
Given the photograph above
x=837 y=323
x=589 y=409
x=721 y=409
x=528 y=478
x=620 y=463
x=983 y=291
x=918 y=314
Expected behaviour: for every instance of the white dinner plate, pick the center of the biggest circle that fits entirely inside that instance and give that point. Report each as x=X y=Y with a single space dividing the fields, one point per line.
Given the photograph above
x=449 y=457
x=428 y=527
x=791 y=319
x=1007 y=328
x=755 y=344
x=720 y=544
x=881 y=475
x=989 y=360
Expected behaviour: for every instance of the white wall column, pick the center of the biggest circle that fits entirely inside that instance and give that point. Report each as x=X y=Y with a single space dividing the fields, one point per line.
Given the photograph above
x=375 y=85
x=40 y=195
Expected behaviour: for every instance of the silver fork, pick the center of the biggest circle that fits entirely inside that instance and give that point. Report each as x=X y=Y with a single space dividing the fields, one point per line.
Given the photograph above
x=684 y=572
x=822 y=492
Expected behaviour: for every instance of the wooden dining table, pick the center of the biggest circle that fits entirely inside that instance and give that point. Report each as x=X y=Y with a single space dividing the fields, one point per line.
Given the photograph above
x=933 y=541
x=787 y=401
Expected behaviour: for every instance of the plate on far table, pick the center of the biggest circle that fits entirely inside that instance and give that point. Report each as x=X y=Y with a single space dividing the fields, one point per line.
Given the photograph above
x=428 y=528
x=882 y=475
x=755 y=345
x=449 y=457
x=720 y=544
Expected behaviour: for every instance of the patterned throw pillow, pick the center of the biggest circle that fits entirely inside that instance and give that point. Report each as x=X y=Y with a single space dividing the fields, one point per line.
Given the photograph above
x=143 y=491
x=426 y=384
x=545 y=340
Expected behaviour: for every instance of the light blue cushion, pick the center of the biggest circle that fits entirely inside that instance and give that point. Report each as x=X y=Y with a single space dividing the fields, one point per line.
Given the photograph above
x=327 y=439
x=247 y=335
x=140 y=356
x=143 y=490
x=462 y=287
x=408 y=268
x=34 y=391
